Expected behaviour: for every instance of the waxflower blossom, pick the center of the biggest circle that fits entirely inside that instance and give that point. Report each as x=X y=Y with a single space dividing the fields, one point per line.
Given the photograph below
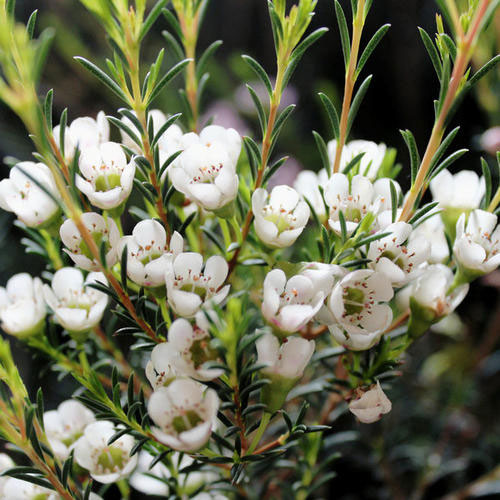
x=370 y=407
x=358 y=303
x=159 y=371
x=307 y=184
x=456 y=194
x=65 y=426
x=103 y=231
x=106 y=463
x=432 y=297
x=324 y=277
x=371 y=160
x=148 y=253
x=354 y=199
x=17 y=489
x=191 y=287
x=31 y=204
x=280 y=217
x=290 y=304
x=76 y=306
x=477 y=246
x=206 y=174
x=188 y=350
x=285 y=365
x=83 y=133
x=184 y=414
x=22 y=308
x=432 y=229
x=107 y=177
x=151 y=481
x=287 y=360
x=398 y=260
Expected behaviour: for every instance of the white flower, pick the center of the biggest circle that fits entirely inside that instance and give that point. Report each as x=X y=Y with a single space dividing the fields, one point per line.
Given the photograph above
x=357 y=305
x=372 y=159
x=82 y=133
x=169 y=141
x=307 y=184
x=399 y=261
x=371 y=405
x=148 y=253
x=188 y=350
x=288 y=360
x=22 y=309
x=107 y=178
x=189 y=288
x=432 y=229
x=106 y=463
x=355 y=199
x=280 y=217
x=430 y=291
x=5 y=463
x=206 y=175
x=102 y=230
x=370 y=162
x=160 y=372
x=65 y=426
x=290 y=304
x=77 y=307
x=324 y=277
x=17 y=489
x=19 y=194
x=462 y=191
x=477 y=246
x=151 y=481
x=184 y=413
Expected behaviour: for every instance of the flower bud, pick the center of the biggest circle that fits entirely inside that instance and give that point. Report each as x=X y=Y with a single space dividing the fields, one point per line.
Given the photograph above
x=371 y=405
x=285 y=365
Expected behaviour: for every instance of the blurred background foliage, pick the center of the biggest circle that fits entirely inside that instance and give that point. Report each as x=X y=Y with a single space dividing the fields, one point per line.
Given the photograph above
x=443 y=435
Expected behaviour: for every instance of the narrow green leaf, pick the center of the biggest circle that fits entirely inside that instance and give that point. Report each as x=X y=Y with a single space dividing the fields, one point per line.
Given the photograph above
x=260 y=72
x=166 y=79
x=332 y=114
x=152 y=17
x=47 y=109
x=356 y=102
x=102 y=76
x=30 y=25
x=411 y=144
x=323 y=151
x=487 y=179
x=432 y=51
x=344 y=32
x=371 y=46
x=261 y=114
x=205 y=57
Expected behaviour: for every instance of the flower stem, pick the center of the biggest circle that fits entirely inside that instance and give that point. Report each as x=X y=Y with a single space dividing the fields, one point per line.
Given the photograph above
x=264 y=422
x=465 y=47
x=350 y=80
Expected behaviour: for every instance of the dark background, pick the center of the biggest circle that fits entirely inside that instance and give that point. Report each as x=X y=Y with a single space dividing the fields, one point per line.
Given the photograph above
x=443 y=432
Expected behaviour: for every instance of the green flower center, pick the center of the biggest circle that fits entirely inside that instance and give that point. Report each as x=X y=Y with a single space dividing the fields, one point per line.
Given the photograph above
x=107 y=182
x=98 y=237
x=187 y=421
x=201 y=352
x=353 y=301
x=111 y=459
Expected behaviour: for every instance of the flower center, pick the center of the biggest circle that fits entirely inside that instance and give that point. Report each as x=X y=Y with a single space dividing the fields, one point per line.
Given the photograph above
x=201 y=352
x=111 y=459
x=352 y=207
x=99 y=237
x=105 y=182
x=186 y=421
x=207 y=174
x=284 y=220
x=354 y=299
